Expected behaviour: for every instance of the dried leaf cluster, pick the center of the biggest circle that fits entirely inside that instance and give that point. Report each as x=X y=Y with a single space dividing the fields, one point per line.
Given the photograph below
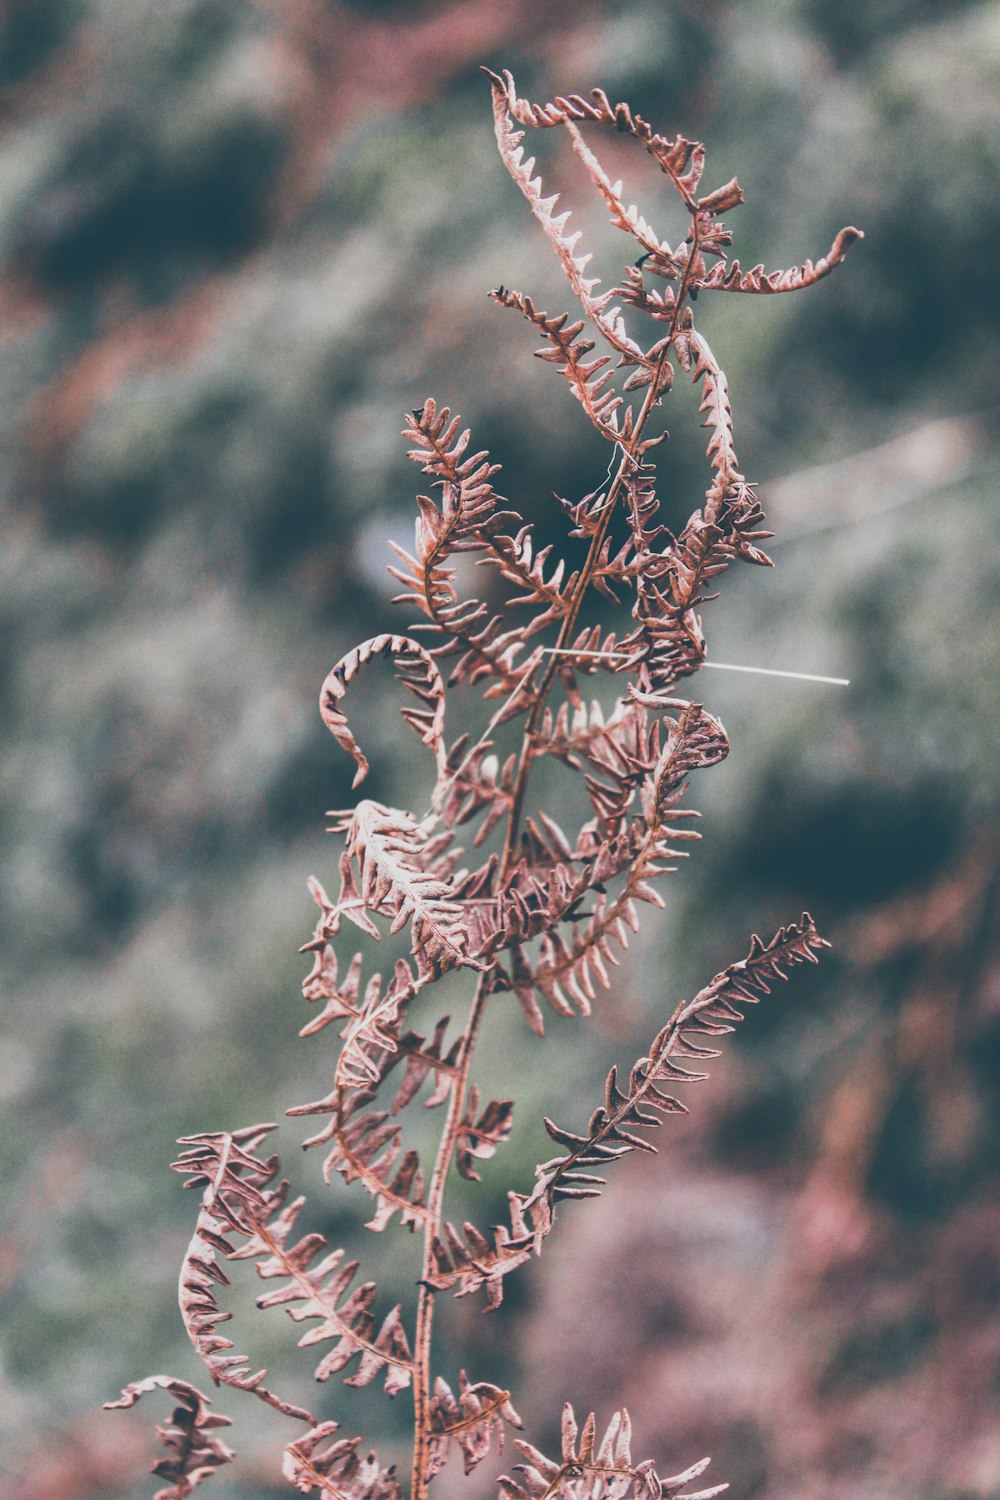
x=544 y=915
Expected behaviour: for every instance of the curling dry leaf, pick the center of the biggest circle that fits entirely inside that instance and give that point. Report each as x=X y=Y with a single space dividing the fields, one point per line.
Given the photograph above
x=366 y=1145
x=243 y=1199
x=472 y=1421
x=611 y=1132
x=479 y=1138
x=194 y=1452
x=418 y=673
x=390 y=850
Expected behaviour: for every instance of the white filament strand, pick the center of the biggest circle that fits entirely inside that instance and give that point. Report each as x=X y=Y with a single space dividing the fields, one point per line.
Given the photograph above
x=720 y=666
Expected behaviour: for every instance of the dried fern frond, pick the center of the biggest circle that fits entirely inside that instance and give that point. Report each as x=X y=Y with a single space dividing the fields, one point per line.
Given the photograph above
x=472 y=1421
x=466 y=1262
x=416 y=671
x=194 y=1453
x=318 y=1461
x=592 y=1470
x=589 y=379
x=242 y=1198
x=713 y=1012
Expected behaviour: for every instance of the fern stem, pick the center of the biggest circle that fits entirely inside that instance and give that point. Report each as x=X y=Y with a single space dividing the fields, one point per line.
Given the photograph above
x=432 y=1224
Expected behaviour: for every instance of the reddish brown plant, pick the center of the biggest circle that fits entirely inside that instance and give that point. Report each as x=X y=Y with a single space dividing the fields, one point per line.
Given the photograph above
x=544 y=915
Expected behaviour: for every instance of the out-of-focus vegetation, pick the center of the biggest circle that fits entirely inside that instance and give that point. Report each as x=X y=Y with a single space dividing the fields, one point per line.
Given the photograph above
x=238 y=241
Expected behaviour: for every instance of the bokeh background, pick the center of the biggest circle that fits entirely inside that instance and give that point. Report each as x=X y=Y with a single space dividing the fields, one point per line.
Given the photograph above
x=238 y=241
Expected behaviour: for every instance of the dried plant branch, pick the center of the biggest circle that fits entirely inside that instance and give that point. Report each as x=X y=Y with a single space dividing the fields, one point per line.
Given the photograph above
x=546 y=915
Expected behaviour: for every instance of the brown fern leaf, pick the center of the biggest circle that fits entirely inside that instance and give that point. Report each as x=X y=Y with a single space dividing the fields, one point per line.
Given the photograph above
x=365 y=1147
x=588 y=378
x=693 y=740
x=475 y=783
x=224 y=1206
x=641 y=505
x=681 y=160
x=731 y=278
x=195 y=1455
x=570 y=733
x=520 y=564
x=566 y=970
x=671 y=586
x=479 y=1139
x=468 y=520
x=468 y=626
x=373 y=1015
x=367 y=1040
x=466 y=1262
x=611 y=1131
x=625 y=755
x=717 y=412
x=242 y=1198
x=636 y=758
x=587 y=515
x=730 y=502
x=440 y=449
x=314 y=1462
x=659 y=257
x=659 y=304
x=418 y=673
x=341 y=996
x=486 y=652
x=530 y=903
x=607 y=319
x=472 y=1421
x=421 y=1059
x=592 y=1470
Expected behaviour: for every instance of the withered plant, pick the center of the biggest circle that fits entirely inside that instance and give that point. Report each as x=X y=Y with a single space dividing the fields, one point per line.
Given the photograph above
x=543 y=916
